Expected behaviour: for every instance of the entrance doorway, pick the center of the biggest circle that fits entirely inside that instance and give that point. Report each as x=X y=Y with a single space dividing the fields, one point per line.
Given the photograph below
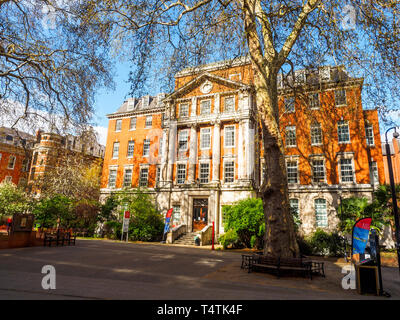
x=200 y=214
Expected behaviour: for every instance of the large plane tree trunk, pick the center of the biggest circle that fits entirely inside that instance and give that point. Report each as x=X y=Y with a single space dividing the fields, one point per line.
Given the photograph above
x=280 y=237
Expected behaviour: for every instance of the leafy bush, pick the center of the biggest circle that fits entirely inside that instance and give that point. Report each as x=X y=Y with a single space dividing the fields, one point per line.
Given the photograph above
x=323 y=243
x=57 y=209
x=12 y=199
x=246 y=220
x=86 y=216
x=229 y=239
x=113 y=229
x=146 y=223
x=355 y=208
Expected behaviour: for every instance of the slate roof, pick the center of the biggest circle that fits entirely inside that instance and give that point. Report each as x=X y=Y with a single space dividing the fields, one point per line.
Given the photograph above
x=141 y=104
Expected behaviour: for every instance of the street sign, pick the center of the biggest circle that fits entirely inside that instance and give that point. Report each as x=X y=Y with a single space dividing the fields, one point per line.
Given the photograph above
x=125 y=226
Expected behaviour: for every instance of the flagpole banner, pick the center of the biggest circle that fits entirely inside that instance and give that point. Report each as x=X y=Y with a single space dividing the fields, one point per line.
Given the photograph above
x=361 y=235
x=167 y=220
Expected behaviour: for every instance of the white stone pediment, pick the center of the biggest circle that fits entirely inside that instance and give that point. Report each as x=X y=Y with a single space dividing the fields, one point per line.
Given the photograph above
x=206 y=82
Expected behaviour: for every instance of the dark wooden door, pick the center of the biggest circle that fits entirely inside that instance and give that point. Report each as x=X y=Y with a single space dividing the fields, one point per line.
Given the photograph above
x=200 y=214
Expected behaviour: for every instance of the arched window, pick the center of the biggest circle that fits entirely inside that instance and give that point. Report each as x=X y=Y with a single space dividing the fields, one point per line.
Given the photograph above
x=321 y=215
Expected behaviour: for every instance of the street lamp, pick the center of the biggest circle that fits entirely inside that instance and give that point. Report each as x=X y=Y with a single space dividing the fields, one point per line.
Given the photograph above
x=393 y=188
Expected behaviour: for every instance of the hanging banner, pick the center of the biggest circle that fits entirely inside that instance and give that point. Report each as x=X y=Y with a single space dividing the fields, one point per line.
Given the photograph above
x=360 y=235
x=167 y=220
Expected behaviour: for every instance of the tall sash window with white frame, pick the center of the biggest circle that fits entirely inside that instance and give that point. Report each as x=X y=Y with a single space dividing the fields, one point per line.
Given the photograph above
x=292 y=172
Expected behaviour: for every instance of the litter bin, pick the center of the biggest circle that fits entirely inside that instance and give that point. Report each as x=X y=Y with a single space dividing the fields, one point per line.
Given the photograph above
x=367 y=278
x=197 y=241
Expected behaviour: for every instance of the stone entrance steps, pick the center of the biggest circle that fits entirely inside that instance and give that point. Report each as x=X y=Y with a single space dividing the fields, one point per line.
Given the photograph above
x=187 y=239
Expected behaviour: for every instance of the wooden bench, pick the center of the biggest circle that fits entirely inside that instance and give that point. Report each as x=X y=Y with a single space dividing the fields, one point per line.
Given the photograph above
x=280 y=265
x=317 y=267
x=60 y=238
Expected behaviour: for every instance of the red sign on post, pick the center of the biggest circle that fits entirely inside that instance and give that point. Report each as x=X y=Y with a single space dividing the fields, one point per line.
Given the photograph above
x=127 y=214
x=169 y=213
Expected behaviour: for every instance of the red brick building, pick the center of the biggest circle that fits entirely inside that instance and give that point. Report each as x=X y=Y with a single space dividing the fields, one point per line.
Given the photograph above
x=395 y=155
x=200 y=148
x=15 y=155
x=52 y=150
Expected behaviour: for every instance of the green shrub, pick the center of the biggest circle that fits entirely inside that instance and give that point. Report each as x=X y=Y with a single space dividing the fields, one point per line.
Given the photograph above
x=229 y=239
x=146 y=223
x=245 y=219
x=57 y=209
x=324 y=243
x=12 y=199
x=113 y=229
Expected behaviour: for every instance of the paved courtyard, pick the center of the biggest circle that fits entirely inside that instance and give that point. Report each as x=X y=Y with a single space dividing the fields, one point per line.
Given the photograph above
x=95 y=269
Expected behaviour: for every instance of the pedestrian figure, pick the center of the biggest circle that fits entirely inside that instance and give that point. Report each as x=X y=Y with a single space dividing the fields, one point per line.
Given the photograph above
x=9 y=222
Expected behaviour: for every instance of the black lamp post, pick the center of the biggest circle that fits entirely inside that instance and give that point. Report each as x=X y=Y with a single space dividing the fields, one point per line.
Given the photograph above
x=393 y=188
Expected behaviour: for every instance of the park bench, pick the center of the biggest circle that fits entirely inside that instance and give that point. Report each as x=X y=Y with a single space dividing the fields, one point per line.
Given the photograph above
x=280 y=265
x=317 y=267
x=59 y=238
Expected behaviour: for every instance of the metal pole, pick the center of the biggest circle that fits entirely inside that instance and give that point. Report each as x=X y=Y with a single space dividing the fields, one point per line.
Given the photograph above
x=394 y=200
x=212 y=248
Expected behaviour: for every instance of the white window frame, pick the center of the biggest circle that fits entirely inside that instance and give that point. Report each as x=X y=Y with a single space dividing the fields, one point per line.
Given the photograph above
x=130 y=142
x=234 y=171
x=146 y=150
x=233 y=137
x=297 y=170
x=109 y=176
x=186 y=105
x=352 y=169
x=201 y=107
x=141 y=180
x=158 y=174
x=118 y=125
x=336 y=99
x=179 y=178
x=200 y=172
x=124 y=179
x=343 y=123
x=323 y=180
x=369 y=130
x=290 y=129
x=202 y=134
x=312 y=99
x=13 y=162
x=149 y=124
x=183 y=133
x=322 y=214
x=314 y=127
x=233 y=104
x=115 y=153
x=373 y=170
x=8 y=178
x=176 y=209
x=132 y=120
